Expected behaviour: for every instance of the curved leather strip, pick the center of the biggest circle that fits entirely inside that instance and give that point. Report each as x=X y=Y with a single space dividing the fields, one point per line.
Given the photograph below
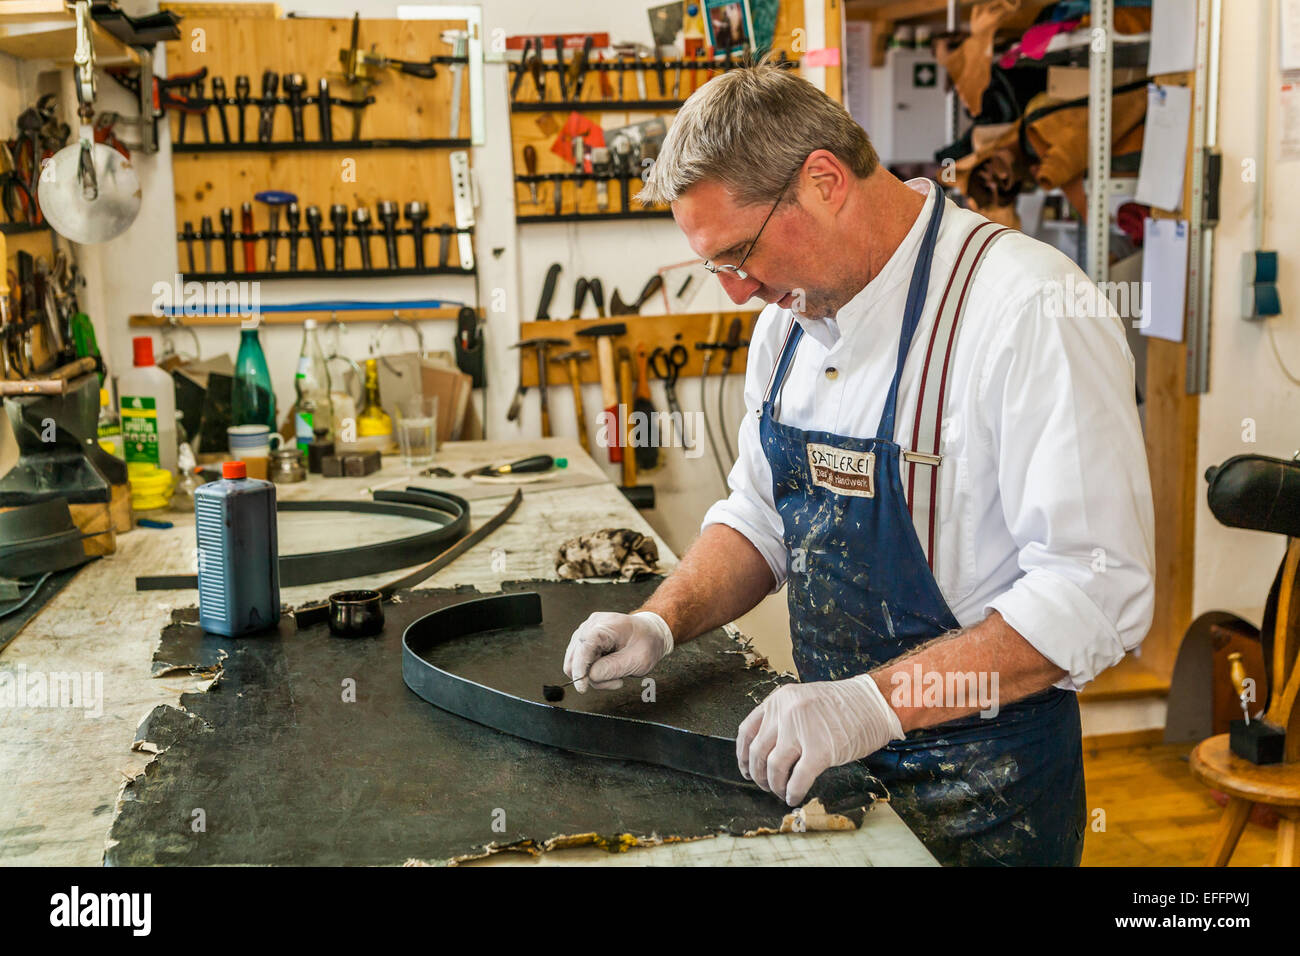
x=599 y=735
x=450 y=512
x=456 y=550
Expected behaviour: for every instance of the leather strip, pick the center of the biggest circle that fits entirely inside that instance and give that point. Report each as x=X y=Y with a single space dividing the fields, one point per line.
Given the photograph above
x=598 y=735
x=450 y=512
x=456 y=550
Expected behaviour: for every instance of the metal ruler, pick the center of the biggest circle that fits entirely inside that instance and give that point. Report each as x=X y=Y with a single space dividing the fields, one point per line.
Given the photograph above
x=1100 y=85
x=1201 y=220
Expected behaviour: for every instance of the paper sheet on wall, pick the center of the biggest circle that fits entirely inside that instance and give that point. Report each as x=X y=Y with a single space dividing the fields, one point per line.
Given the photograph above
x=1173 y=36
x=1289 y=107
x=1289 y=35
x=857 y=71
x=1164 y=278
x=1164 y=147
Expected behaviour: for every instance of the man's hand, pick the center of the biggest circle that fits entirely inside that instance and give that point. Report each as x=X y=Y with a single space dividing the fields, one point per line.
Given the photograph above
x=607 y=647
x=802 y=729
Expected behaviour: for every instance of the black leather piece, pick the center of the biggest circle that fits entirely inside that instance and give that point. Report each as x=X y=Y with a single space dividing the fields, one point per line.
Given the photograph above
x=1257 y=493
x=601 y=735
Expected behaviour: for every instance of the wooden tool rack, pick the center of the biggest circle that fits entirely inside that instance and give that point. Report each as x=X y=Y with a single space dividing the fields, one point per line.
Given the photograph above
x=403 y=140
x=542 y=100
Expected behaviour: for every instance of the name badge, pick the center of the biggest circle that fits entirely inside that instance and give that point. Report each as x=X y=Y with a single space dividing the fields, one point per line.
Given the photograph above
x=843 y=472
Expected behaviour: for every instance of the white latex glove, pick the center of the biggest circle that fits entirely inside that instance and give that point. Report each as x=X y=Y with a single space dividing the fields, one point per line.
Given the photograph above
x=802 y=729
x=607 y=647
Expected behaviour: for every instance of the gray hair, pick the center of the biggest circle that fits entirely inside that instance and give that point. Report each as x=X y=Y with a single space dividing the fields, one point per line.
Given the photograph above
x=750 y=130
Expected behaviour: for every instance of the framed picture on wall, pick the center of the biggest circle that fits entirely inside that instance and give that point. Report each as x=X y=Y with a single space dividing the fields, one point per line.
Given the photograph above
x=730 y=25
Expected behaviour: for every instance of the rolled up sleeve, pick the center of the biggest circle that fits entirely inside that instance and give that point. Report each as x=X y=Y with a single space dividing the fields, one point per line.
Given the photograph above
x=750 y=508
x=1059 y=401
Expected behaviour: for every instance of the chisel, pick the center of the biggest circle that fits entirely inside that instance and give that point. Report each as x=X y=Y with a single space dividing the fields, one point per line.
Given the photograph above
x=242 y=90
x=317 y=239
x=187 y=233
x=206 y=233
x=228 y=237
x=250 y=243
x=323 y=104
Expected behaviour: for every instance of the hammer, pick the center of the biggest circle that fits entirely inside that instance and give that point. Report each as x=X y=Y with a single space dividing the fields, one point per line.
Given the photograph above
x=608 y=380
x=541 y=345
x=571 y=360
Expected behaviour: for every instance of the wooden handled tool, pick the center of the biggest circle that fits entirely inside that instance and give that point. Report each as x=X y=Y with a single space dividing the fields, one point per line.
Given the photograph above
x=571 y=360
x=603 y=334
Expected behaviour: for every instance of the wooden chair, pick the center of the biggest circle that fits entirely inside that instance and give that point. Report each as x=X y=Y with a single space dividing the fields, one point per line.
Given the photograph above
x=1274 y=785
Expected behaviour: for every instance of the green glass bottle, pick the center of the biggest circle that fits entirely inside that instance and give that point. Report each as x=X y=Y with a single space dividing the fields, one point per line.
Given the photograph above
x=252 y=402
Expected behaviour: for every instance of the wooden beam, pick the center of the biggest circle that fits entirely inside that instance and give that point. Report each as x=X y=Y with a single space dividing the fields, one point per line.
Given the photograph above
x=834 y=14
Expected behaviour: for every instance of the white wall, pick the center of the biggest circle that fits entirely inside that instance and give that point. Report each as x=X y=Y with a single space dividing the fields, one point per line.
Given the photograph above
x=1234 y=568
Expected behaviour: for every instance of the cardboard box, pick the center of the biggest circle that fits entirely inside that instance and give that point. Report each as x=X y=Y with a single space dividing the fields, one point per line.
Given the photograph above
x=1071 y=82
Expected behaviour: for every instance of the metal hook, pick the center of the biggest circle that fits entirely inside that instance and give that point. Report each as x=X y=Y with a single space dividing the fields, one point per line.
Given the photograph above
x=397 y=318
x=171 y=326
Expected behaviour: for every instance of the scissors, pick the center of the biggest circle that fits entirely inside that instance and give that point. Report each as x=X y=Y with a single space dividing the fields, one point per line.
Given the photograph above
x=667 y=365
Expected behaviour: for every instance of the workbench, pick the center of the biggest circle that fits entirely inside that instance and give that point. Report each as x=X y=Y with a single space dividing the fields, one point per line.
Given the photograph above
x=63 y=768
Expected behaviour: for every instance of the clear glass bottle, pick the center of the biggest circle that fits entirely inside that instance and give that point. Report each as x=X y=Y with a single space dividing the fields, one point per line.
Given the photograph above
x=313 y=419
x=252 y=400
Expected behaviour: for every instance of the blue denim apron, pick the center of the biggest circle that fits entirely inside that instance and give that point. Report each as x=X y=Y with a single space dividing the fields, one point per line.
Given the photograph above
x=1001 y=791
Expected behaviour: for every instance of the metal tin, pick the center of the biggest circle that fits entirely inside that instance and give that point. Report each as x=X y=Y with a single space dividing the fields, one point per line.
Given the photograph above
x=286 y=466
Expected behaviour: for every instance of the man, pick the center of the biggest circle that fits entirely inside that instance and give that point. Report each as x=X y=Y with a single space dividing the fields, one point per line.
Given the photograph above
x=944 y=467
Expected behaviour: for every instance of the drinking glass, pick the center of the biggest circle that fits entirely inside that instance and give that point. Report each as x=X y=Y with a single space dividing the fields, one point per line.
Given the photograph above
x=417 y=428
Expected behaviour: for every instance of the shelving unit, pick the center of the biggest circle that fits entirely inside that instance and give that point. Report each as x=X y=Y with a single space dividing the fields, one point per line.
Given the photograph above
x=47 y=30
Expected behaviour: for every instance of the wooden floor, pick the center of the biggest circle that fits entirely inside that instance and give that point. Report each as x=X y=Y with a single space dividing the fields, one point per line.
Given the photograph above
x=1156 y=814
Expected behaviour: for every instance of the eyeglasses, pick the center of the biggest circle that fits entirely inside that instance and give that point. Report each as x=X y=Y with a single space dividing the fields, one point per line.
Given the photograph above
x=736 y=270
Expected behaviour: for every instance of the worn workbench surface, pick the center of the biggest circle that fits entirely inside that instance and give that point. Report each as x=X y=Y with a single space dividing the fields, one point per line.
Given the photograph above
x=63 y=767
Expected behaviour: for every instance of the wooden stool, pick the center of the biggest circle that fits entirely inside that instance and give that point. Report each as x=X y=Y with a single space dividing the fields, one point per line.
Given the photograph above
x=1246 y=784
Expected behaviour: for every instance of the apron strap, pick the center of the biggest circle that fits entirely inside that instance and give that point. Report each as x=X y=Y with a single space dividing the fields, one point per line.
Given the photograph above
x=915 y=306
x=921 y=464
x=793 y=334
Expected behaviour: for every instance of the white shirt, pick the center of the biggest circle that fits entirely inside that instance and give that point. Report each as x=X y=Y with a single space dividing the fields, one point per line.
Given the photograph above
x=1044 y=497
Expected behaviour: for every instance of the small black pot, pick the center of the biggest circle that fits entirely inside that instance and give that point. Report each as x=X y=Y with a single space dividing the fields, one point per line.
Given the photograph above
x=356 y=613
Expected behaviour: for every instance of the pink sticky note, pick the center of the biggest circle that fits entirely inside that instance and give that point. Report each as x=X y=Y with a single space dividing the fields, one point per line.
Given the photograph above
x=828 y=56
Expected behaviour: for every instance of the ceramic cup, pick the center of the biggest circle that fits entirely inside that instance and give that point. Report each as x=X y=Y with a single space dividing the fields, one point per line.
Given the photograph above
x=252 y=441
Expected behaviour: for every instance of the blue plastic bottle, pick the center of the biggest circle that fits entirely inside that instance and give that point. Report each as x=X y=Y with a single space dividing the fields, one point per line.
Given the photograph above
x=239 y=572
